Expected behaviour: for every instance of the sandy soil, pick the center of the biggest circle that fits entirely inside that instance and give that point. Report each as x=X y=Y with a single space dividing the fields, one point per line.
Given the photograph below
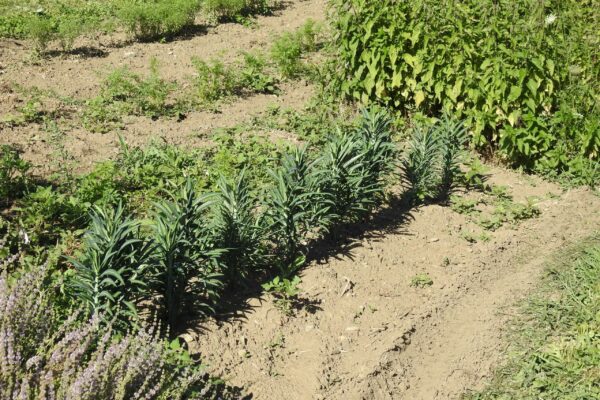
x=369 y=335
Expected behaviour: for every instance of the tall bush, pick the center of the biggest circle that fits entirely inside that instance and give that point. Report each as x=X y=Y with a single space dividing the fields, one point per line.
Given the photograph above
x=523 y=74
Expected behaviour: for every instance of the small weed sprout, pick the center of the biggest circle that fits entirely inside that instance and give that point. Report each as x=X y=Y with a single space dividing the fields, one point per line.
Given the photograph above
x=421 y=280
x=285 y=292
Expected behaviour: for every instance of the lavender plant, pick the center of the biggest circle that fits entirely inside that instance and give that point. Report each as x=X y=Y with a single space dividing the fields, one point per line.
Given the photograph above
x=42 y=357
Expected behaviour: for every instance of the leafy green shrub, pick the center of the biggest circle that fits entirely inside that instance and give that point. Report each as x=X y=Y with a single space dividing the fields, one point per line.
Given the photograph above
x=147 y=20
x=219 y=10
x=519 y=73
x=109 y=274
x=185 y=267
x=13 y=174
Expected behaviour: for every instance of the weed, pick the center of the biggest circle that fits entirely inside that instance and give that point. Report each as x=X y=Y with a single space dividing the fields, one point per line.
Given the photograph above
x=253 y=75
x=287 y=49
x=214 y=81
x=421 y=280
x=463 y=205
x=285 y=292
x=13 y=174
x=157 y=19
x=476 y=175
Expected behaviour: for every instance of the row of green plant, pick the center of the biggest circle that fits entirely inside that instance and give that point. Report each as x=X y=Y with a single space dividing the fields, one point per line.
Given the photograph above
x=522 y=74
x=199 y=245
x=63 y=21
x=124 y=92
x=554 y=352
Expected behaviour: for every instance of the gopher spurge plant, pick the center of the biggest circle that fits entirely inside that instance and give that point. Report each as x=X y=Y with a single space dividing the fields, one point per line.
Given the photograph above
x=290 y=209
x=109 y=274
x=238 y=230
x=185 y=266
x=431 y=164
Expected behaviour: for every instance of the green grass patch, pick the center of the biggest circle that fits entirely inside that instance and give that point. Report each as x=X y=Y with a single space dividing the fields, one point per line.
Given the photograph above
x=556 y=352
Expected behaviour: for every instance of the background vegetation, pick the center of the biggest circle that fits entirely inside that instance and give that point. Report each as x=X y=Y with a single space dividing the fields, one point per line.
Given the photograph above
x=523 y=74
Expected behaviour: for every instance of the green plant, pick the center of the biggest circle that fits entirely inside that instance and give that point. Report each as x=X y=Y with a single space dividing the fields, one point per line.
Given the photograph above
x=253 y=76
x=419 y=166
x=13 y=174
x=521 y=74
x=421 y=280
x=214 y=80
x=285 y=291
x=508 y=211
x=45 y=213
x=224 y=10
x=452 y=136
x=156 y=19
x=476 y=175
x=238 y=230
x=109 y=273
x=287 y=49
x=290 y=207
x=185 y=267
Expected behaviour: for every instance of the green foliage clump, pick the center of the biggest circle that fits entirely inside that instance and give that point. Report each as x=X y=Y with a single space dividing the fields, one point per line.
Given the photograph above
x=238 y=230
x=556 y=347
x=126 y=93
x=285 y=291
x=522 y=74
x=185 y=267
x=214 y=80
x=421 y=280
x=13 y=174
x=147 y=20
x=53 y=21
x=287 y=50
x=227 y=10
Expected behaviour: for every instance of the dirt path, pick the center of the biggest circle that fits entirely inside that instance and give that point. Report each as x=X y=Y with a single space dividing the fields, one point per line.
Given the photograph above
x=373 y=336
x=80 y=77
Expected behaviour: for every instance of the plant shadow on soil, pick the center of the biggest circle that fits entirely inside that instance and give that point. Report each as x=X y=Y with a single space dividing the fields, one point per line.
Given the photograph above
x=234 y=305
x=83 y=52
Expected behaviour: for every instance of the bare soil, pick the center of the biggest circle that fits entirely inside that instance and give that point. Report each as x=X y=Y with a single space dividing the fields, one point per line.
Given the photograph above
x=366 y=333
x=79 y=76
